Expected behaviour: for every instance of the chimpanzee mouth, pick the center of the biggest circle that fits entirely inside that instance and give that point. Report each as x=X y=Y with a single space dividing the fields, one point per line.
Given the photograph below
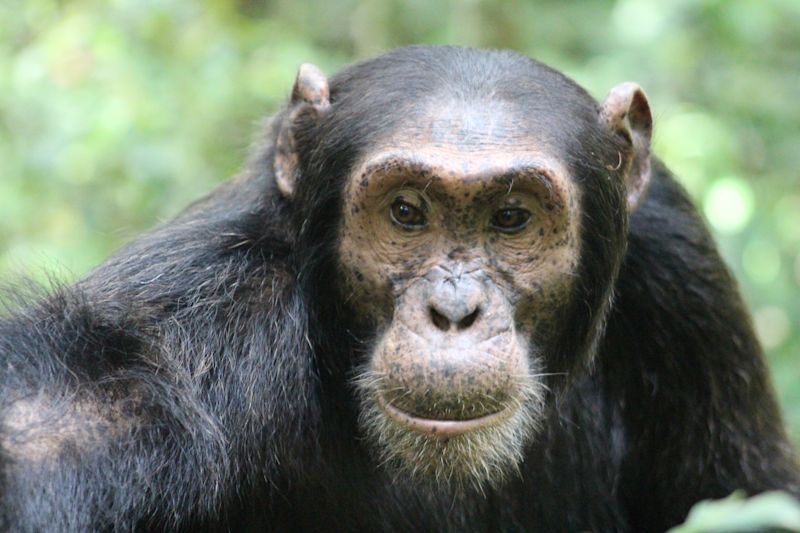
x=458 y=441
x=446 y=427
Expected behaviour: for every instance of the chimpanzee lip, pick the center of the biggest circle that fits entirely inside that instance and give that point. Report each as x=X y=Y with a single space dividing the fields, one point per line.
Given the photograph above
x=443 y=428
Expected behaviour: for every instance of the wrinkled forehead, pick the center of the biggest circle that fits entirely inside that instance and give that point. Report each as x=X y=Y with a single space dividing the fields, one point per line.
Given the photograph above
x=467 y=142
x=474 y=126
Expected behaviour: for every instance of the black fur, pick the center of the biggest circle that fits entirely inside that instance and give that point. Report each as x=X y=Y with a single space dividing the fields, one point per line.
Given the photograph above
x=208 y=361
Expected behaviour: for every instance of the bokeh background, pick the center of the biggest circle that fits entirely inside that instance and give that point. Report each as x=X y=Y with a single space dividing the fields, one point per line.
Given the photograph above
x=115 y=114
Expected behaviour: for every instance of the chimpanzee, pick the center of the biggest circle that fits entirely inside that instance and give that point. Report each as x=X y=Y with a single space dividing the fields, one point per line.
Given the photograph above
x=449 y=291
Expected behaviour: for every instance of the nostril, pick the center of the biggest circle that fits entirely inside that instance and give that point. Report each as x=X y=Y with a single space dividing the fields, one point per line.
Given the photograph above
x=439 y=320
x=468 y=320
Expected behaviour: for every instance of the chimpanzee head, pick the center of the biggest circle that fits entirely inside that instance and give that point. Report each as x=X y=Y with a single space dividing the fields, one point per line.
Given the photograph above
x=477 y=206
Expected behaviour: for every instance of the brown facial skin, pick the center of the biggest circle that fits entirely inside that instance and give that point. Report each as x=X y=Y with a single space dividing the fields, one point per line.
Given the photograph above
x=459 y=240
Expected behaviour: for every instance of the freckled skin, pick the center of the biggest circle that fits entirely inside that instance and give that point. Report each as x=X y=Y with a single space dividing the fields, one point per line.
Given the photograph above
x=459 y=177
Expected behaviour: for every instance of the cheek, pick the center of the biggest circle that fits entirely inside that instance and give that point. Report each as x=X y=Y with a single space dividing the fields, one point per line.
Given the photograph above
x=541 y=316
x=541 y=279
x=376 y=262
x=362 y=290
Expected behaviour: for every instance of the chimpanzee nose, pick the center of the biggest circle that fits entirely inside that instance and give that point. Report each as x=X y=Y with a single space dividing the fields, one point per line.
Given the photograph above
x=455 y=304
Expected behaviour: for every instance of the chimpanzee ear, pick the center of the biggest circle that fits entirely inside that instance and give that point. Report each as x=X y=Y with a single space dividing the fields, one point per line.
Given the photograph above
x=310 y=94
x=626 y=111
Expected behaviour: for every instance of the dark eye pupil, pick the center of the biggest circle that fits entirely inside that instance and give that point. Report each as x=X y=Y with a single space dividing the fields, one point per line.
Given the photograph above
x=407 y=215
x=511 y=220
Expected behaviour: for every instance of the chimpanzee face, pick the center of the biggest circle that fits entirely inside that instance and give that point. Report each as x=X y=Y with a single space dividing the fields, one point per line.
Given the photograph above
x=459 y=244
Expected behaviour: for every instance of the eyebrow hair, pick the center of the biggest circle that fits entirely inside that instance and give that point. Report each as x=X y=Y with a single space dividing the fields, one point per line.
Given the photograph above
x=544 y=173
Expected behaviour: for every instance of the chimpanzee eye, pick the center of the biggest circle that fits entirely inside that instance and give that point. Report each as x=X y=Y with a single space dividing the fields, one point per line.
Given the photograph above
x=510 y=219
x=407 y=216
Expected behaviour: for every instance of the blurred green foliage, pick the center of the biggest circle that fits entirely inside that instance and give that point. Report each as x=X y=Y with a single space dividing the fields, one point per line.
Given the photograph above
x=114 y=115
x=769 y=511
